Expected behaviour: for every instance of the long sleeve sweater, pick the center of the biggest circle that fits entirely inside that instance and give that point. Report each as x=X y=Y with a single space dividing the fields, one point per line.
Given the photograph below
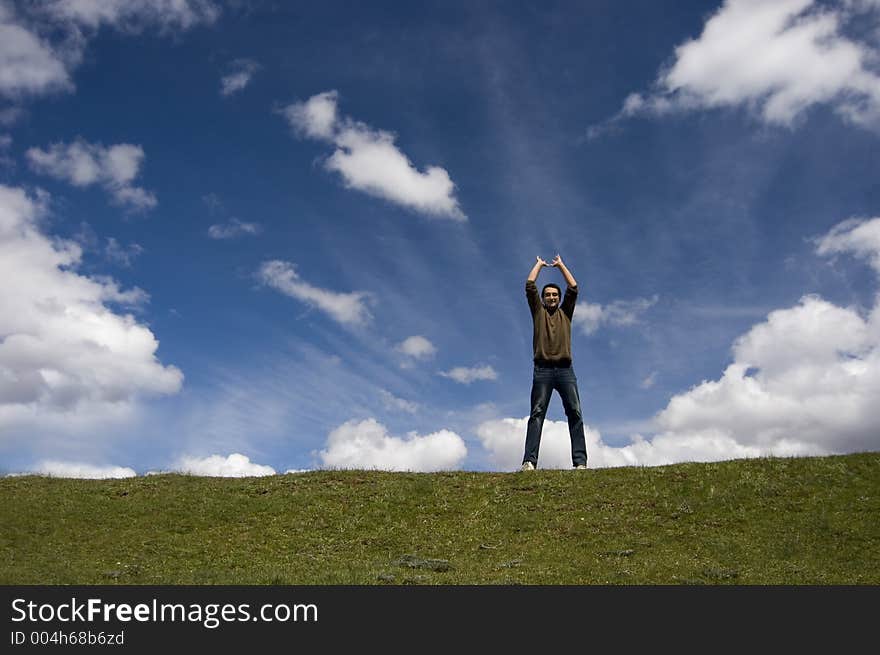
x=551 y=340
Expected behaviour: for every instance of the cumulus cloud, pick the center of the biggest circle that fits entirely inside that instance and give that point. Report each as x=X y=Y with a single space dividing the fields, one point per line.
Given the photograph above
x=804 y=381
x=368 y=159
x=417 y=347
x=84 y=164
x=465 y=375
x=235 y=465
x=42 y=43
x=58 y=469
x=807 y=377
x=367 y=445
x=233 y=228
x=239 y=76
x=346 y=308
x=590 y=317
x=65 y=355
x=778 y=59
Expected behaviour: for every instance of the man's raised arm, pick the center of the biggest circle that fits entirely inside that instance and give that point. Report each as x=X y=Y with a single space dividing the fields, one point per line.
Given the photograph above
x=569 y=278
x=539 y=264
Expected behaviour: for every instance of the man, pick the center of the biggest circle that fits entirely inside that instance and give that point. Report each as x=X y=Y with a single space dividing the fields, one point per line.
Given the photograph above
x=551 y=343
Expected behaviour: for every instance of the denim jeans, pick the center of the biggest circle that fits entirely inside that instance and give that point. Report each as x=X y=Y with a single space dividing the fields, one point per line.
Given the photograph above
x=563 y=380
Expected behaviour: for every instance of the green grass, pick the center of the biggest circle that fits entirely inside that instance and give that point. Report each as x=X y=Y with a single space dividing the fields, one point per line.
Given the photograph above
x=758 y=521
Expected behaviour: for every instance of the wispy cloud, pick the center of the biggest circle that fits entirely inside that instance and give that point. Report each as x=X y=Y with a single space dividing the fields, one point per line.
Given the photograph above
x=855 y=236
x=590 y=317
x=369 y=161
x=778 y=59
x=649 y=381
x=368 y=445
x=5 y=143
x=392 y=402
x=346 y=308
x=134 y=15
x=122 y=255
x=233 y=228
x=465 y=375
x=84 y=164
x=241 y=71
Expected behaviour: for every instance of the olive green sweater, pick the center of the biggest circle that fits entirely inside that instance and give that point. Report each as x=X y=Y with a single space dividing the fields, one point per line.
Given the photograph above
x=551 y=340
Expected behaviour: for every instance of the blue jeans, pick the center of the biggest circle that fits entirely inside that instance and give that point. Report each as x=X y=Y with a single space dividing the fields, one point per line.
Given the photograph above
x=563 y=380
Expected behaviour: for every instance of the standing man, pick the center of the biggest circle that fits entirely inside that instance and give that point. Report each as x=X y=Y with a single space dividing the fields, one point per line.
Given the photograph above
x=551 y=343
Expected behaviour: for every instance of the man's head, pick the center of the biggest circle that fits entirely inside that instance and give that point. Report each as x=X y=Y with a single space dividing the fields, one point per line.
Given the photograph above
x=551 y=295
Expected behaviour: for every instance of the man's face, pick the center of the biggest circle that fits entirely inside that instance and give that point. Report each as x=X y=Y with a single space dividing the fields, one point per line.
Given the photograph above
x=551 y=298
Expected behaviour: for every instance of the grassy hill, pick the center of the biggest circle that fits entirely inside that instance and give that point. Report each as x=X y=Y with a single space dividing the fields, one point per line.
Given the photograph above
x=757 y=521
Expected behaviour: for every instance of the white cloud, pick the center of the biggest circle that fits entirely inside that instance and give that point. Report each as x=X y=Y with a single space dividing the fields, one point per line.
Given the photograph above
x=83 y=164
x=390 y=401
x=854 y=236
x=315 y=118
x=590 y=317
x=369 y=161
x=417 y=347
x=466 y=375
x=28 y=65
x=235 y=465
x=240 y=73
x=57 y=469
x=43 y=42
x=807 y=377
x=805 y=380
x=233 y=228
x=346 y=308
x=134 y=15
x=66 y=358
x=367 y=445
x=778 y=59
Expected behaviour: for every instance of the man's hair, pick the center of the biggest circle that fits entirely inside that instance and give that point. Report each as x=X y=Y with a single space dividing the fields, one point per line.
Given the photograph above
x=551 y=284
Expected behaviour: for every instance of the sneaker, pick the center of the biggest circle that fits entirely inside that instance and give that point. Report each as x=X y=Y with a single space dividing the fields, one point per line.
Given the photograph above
x=580 y=467
x=527 y=466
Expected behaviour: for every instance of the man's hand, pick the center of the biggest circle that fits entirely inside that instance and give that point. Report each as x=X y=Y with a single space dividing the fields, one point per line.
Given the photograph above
x=569 y=278
x=542 y=262
x=533 y=274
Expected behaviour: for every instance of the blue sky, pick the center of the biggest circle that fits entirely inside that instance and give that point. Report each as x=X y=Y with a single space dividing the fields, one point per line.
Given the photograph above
x=246 y=237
